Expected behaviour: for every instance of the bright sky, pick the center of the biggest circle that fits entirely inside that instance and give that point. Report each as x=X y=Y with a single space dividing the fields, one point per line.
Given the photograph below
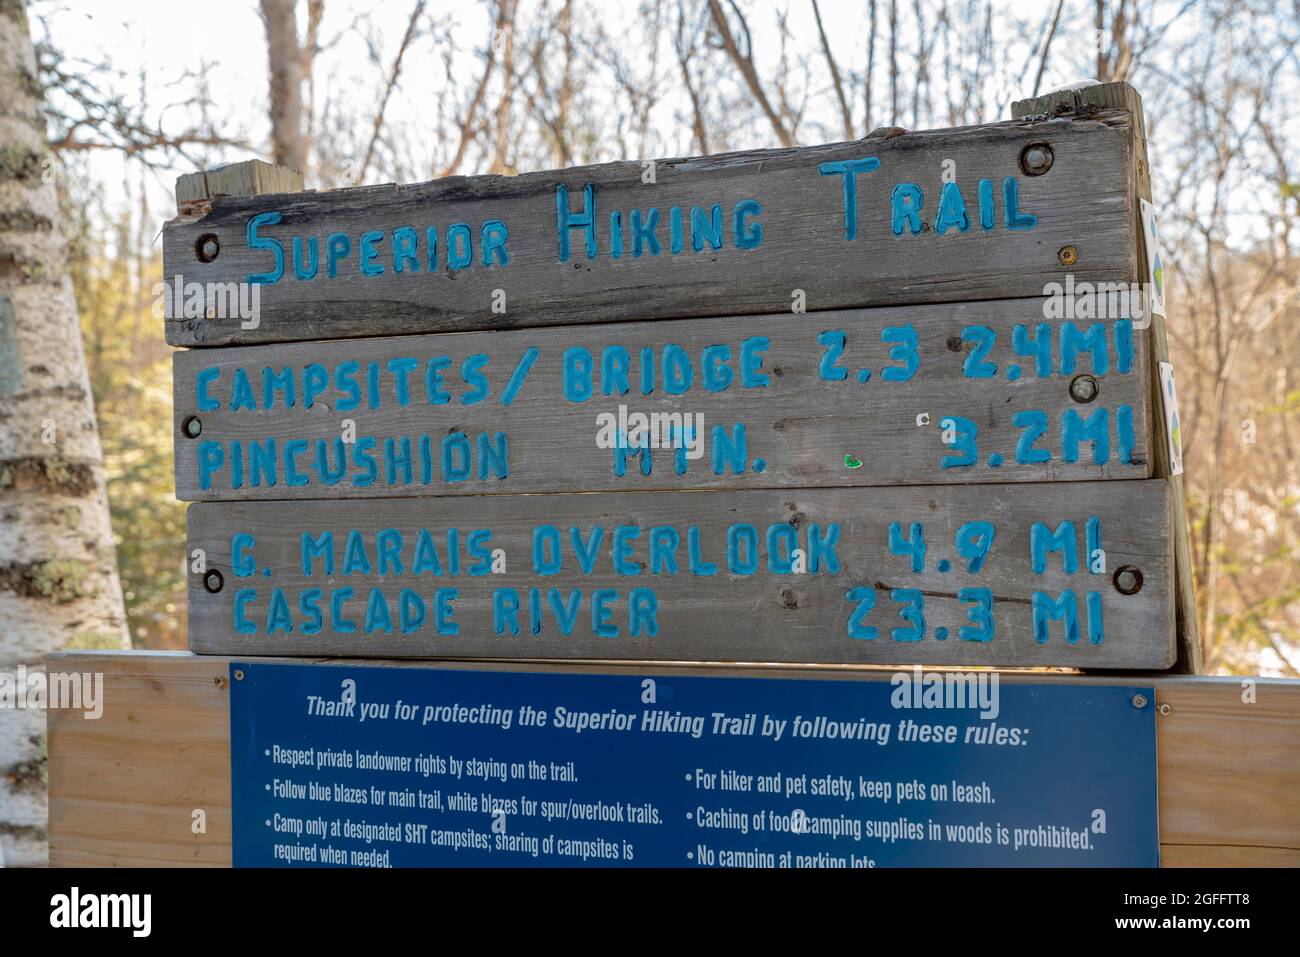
x=225 y=39
x=169 y=38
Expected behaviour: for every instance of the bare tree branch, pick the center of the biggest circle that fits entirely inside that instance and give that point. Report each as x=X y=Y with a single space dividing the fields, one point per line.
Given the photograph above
x=686 y=49
x=1047 y=45
x=744 y=61
x=393 y=74
x=846 y=114
x=464 y=128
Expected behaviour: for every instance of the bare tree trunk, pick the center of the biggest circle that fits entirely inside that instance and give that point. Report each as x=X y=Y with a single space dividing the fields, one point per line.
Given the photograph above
x=502 y=131
x=289 y=144
x=869 y=85
x=564 y=99
x=893 y=62
x=58 y=567
x=307 y=58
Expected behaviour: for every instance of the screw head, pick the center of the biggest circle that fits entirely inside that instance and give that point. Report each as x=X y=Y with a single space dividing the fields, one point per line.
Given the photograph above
x=1166 y=708
x=1084 y=388
x=1139 y=701
x=1128 y=579
x=213 y=581
x=239 y=675
x=192 y=427
x=1068 y=255
x=207 y=248
x=1036 y=159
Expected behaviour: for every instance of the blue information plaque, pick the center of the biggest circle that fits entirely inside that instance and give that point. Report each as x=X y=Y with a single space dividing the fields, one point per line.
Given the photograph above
x=401 y=766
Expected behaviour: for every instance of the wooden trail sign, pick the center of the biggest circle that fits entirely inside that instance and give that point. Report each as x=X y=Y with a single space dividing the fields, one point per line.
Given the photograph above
x=1068 y=574
x=985 y=212
x=873 y=337
x=971 y=392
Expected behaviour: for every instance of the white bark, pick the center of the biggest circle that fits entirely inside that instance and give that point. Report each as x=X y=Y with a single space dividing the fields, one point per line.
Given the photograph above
x=58 y=567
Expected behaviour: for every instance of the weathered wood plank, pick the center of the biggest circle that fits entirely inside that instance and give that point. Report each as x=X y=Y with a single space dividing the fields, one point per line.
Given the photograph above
x=1092 y=100
x=972 y=241
x=698 y=576
x=196 y=191
x=779 y=401
x=123 y=789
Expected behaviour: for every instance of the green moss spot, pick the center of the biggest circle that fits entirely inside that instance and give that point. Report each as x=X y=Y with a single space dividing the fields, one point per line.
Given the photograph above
x=61 y=580
x=95 y=641
x=56 y=470
x=20 y=162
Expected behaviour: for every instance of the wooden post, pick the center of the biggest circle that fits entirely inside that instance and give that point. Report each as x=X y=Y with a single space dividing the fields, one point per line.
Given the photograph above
x=196 y=191
x=1122 y=96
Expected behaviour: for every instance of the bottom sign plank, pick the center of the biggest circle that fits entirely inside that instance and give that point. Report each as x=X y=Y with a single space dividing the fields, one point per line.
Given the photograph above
x=1062 y=574
x=418 y=767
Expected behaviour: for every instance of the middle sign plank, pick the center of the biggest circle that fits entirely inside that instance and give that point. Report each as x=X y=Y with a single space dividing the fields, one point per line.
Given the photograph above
x=1002 y=391
x=1062 y=574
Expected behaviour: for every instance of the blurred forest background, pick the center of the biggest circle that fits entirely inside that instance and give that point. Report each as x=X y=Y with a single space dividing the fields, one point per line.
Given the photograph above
x=406 y=90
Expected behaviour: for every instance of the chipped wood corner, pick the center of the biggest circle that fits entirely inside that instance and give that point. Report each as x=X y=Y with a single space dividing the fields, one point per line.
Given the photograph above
x=1084 y=99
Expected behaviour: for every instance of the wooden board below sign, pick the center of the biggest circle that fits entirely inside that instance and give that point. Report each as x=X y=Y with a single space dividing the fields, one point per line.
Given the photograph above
x=123 y=789
x=969 y=392
x=942 y=575
x=735 y=234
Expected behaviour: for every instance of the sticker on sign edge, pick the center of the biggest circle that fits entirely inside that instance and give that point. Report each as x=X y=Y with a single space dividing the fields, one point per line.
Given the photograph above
x=1173 y=422
x=1155 y=259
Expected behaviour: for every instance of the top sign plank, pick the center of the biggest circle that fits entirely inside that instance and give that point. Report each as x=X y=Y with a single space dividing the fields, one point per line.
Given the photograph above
x=941 y=216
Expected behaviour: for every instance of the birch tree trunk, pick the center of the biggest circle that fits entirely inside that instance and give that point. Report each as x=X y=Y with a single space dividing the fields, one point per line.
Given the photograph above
x=58 y=567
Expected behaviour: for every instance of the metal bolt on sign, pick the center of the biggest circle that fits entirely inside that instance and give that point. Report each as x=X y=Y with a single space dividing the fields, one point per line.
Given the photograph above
x=1036 y=159
x=1128 y=580
x=207 y=248
x=1084 y=388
